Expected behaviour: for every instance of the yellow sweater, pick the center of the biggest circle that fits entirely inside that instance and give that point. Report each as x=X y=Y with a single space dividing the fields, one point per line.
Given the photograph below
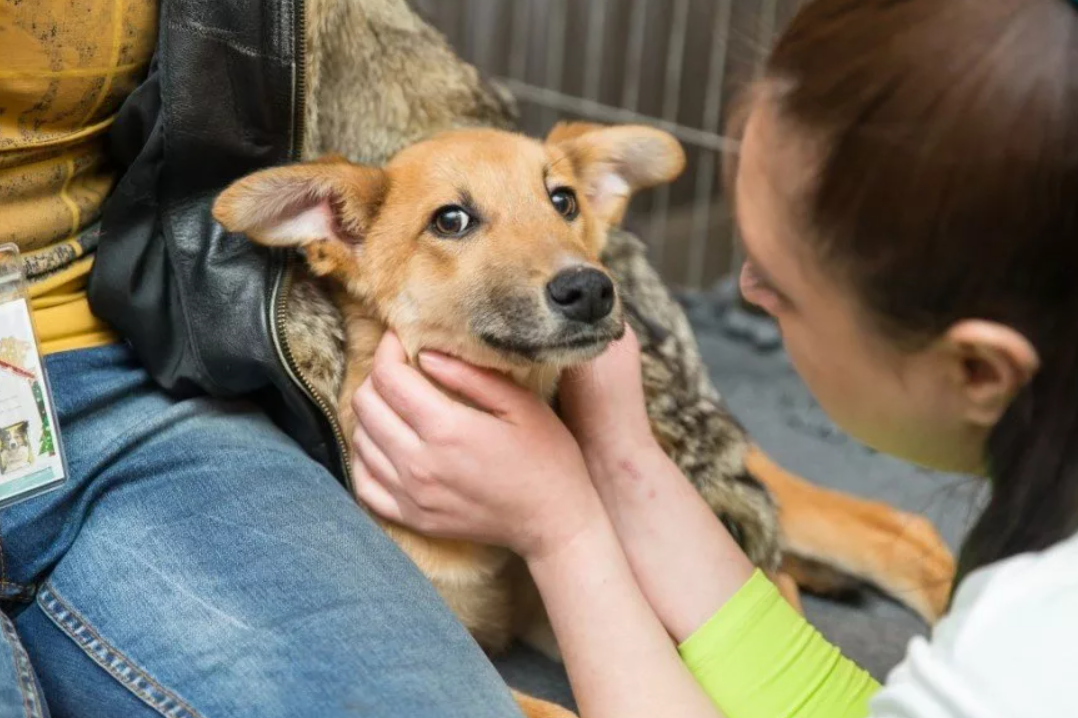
x=65 y=68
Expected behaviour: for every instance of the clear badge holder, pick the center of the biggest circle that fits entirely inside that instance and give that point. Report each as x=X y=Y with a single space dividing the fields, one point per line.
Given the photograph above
x=31 y=453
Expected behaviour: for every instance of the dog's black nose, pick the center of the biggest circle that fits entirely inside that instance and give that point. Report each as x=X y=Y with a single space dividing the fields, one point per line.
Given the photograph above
x=582 y=293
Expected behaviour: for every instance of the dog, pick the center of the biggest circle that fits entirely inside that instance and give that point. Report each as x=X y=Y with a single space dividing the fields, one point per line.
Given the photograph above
x=379 y=79
x=486 y=245
x=479 y=243
x=15 y=450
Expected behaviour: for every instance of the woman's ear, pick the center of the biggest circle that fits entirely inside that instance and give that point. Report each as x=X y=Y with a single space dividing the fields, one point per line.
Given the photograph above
x=326 y=206
x=991 y=363
x=614 y=162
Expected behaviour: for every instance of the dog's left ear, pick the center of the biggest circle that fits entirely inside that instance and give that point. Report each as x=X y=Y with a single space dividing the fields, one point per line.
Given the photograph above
x=614 y=162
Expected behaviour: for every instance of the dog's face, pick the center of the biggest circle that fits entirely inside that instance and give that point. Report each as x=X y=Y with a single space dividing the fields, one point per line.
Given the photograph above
x=479 y=243
x=13 y=437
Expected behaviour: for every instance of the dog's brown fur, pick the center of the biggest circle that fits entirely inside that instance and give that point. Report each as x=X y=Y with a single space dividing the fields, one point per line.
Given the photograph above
x=379 y=79
x=482 y=297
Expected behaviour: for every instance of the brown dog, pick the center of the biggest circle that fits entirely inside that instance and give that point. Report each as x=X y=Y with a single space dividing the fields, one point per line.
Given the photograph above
x=482 y=244
x=379 y=78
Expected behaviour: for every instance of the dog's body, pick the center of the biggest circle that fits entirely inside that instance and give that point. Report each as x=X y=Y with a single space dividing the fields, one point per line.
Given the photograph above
x=478 y=243
x=379 y=80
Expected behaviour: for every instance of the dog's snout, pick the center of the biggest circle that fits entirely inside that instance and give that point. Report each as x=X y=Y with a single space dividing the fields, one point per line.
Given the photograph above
x=582 y=294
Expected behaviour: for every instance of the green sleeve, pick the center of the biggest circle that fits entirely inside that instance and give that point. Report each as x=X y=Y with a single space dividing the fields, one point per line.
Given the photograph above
x=758 y=658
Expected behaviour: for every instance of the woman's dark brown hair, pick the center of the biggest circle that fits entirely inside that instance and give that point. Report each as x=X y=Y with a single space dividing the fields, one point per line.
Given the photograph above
x=948 y=189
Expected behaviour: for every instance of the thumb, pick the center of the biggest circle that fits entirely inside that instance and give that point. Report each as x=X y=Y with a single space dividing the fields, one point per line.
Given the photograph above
x=390 y=350
x=620 y=362
x=486 y=389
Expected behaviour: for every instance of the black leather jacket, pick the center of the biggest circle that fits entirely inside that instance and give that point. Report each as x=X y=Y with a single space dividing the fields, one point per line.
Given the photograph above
x=202 y=308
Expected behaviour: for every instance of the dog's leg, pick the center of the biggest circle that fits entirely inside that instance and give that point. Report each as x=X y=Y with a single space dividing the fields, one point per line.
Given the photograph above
x=900 y=553
x=536 y=708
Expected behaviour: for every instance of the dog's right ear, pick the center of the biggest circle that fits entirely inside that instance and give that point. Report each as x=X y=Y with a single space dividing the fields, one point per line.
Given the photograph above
x=614 y=162
x=326 y=206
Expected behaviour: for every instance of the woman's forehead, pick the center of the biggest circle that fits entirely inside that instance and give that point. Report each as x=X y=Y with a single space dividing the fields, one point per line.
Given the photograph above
x=766 y=190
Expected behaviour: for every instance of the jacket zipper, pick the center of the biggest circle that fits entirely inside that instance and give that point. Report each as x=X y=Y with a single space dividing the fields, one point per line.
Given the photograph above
x=284 y=353
x=282 y=290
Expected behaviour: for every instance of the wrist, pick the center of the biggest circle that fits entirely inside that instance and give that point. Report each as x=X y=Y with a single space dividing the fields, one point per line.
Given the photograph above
x=625 y=462
x=595 y=536
x=565 y=528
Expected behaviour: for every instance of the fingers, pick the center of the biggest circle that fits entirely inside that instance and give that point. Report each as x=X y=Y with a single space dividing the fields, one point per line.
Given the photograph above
x=620 y=362
x=390 y=350
x=488 y=390
x=406 y=392
x=381 y=423
x=625 y=349
x=373 y=494
x=374 y=460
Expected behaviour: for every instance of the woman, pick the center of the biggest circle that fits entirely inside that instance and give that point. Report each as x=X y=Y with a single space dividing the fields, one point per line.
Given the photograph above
x=907 y=190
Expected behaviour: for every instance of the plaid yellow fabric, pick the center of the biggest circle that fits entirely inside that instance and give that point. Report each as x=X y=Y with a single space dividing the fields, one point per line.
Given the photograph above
x=65 y=69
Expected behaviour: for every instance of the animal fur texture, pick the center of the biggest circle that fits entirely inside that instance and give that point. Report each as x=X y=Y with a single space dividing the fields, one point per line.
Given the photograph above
x=379 y=79
x=489 y=294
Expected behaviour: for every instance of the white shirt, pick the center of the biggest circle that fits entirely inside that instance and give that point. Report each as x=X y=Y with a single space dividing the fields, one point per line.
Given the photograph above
x=1007 y=649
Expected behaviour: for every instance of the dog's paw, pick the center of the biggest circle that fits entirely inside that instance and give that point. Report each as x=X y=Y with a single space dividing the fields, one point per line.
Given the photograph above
x=928 y=564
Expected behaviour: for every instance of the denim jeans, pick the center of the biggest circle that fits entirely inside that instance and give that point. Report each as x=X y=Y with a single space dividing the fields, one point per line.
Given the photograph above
x=198 y=563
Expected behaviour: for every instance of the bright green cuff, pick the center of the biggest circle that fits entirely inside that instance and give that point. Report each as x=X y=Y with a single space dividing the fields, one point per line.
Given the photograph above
x=758 y=658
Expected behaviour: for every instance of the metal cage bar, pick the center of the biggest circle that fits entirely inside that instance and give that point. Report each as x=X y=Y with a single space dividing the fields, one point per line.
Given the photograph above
x=675 y=62
x=593 y=67
x=707 y=169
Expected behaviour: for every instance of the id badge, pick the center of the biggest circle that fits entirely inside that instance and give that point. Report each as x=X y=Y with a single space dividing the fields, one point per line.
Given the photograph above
x=31 y=455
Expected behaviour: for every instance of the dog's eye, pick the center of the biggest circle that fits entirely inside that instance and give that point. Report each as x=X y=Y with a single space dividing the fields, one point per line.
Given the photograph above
x=564 y=200
x=451 y=221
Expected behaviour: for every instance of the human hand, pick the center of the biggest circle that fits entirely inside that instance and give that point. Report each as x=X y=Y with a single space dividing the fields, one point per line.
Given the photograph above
x=506 y=473
x=602 y=403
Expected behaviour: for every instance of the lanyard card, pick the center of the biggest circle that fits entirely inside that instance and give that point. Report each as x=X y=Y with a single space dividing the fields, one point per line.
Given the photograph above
x=31 y=456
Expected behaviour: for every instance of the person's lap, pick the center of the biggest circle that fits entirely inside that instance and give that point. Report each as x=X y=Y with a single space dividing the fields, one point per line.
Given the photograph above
x=199 y=563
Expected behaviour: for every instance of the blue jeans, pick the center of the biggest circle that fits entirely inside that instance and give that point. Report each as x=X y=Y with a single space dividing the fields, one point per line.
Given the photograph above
x=198 y=563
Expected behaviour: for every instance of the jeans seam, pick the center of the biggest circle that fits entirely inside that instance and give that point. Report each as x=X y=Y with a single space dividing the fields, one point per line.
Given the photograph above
x=32 y=699
x=119 y=666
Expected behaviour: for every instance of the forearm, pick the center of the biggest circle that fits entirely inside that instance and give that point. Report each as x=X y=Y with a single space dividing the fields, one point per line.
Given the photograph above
x=621 y=662
x=752 y=653
x=684 y=560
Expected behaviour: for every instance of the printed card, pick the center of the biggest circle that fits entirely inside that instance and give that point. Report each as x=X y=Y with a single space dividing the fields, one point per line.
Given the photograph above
x=31 y=460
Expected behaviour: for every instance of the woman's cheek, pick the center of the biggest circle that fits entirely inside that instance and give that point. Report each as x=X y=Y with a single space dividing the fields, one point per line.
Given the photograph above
x=817 y=367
